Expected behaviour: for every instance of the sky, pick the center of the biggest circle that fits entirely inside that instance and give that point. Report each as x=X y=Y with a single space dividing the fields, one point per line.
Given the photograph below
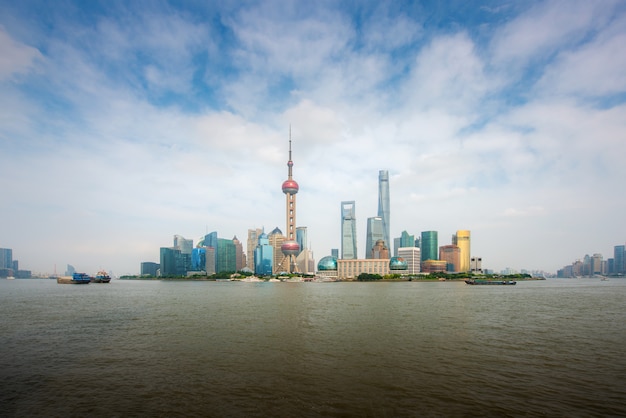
x=125 y=123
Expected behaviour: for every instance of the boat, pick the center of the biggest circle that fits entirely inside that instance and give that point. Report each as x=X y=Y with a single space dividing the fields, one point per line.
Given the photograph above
x=76 y=278
x=101 y=277
x=489 y=282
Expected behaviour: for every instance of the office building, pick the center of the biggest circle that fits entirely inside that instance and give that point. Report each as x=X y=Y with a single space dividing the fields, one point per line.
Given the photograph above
x=404 y=240
x=6 y=258
x=251 y=244
x=302 y=237
x=429 y=246
x=451 y=254
x=374 y=234
x=434 y=266
x=198 y=259
x=380 y=250
x=240 y=257
x=462 y=240
x=276 y=240
x=171 y=262
x=263 y=256
x=383 y=203
x=351 y=268
x=619 y=266
x=334 y=252
x=149 y=268
x=225 y=256
x=348 y=231
x=412 y=257
x=476 y=265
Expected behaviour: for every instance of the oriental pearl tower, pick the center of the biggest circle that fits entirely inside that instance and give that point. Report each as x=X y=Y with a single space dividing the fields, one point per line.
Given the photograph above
x=290 y=247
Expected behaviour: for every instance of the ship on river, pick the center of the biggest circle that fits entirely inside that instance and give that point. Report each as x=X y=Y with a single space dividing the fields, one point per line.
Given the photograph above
x=76 y=278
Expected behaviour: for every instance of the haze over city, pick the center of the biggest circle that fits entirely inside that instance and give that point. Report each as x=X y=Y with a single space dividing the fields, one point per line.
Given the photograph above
x=124 y=124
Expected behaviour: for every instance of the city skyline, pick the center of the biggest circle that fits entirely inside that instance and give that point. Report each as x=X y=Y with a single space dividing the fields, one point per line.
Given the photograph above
x=123 y=126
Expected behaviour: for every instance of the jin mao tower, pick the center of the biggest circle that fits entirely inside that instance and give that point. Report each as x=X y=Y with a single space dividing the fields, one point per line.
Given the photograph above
x=290 y=247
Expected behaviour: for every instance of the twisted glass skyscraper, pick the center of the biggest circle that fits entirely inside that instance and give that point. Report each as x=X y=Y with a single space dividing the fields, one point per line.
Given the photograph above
x=383 y=203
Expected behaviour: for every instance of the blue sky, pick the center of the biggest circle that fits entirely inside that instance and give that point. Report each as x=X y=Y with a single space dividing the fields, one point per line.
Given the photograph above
x=124 y=123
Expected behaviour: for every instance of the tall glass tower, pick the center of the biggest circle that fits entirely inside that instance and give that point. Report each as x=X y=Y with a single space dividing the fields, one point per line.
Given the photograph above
x=348 y=230
x=430 y=246
x=383 y=203
x=374 y=233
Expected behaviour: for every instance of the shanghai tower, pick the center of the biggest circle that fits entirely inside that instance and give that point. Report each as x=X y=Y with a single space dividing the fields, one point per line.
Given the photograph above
x=383 y=203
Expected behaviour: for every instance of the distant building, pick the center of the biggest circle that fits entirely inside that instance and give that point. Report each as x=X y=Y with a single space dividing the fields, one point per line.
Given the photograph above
x=462 y=240
x=198 y=259
x=276 y=239
x=383 y=203
x=434 y=266
x=6 y=258
x=403 y=241
x=380 y=250
x=334 y=252
x=350 y=269
x=451 y=254
x=185 y=246
x=251 y=244
x=412 y=257
x=305 y=261
x=374 y=234
x=210 y=261
x=172 y=262
x=348 y=231
x=263 y=256
x=149 y=269
x=239 y=255
x=429 y=246
x=476 y=265
x=70 y=270
x=619 y=256
x=225 y=256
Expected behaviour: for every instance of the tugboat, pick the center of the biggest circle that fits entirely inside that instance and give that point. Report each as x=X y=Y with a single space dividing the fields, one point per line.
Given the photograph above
x=101 y=277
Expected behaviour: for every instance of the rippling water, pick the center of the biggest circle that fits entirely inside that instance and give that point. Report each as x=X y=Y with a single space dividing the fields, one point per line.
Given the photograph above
x=161 y=348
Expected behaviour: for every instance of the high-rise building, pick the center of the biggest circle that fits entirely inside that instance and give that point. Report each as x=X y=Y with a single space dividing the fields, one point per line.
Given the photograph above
x=290 y=247
x=276 y=240
x=185 y=246
x=429 y=246
x=451 y=254
x=198 y=259
x=334 y=252
x=149 y=268
x=383 y=203
x=380 y=250
x=348 y=230
x=374 y=233
x=404 y=240
x=412 y=257
x=476 y=265
x=239 y=255
x=302 y=237
x=619 y=266
x=225 y=256
x=462 y=240
x=172 y=262
x=251 y=244
x=210 y=243
x=6 y=258
x=263 y=256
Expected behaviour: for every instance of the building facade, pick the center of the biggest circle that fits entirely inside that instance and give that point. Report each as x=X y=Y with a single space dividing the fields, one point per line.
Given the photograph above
x=380 y=250
x=462 y=240
x=251 y=244
x=348 y=231
x=412 y=257
x=264 y=256
x=451 y=254
x=383 y=203
x=350 y=269
x=225 y=256
x=429 y=246
x=374 y=234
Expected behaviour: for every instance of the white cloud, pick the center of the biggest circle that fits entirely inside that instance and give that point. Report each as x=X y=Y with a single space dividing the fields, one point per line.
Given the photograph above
x=15 y=57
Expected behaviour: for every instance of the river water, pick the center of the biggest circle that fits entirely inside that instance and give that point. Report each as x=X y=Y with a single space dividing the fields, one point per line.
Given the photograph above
x=229 y=349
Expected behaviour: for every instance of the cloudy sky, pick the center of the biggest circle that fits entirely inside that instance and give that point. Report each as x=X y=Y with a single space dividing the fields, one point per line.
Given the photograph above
x=124 y=123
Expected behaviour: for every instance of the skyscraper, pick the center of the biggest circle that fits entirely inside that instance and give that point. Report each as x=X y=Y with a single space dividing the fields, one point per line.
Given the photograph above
x=462 y=240
x=383 y=203
x=348 y=230
x=290 y=247
x=251 y=244
x=302 y=237
x=374 y=233
x=430 y=247
x=403 y=241
x=263 y=256
x=618 y=259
